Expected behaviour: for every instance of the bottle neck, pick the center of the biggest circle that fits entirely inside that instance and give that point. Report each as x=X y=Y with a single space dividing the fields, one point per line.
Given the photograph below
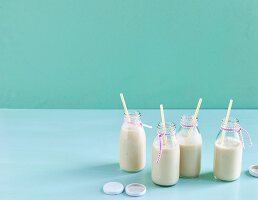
x=169 y=129
x=134 y=118
x=232 y=125
x=188 y=122
x=230 y=131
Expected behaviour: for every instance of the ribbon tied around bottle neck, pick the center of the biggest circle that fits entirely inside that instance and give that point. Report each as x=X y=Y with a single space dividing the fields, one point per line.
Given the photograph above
x=138 y=123
x=188 y=125
x=161 y=135
x=238 y=129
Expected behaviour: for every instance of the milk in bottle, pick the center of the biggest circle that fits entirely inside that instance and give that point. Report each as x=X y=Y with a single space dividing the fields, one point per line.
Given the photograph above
x=132 y=143
x=190 y=147
x=165 y=156
x=228 y=149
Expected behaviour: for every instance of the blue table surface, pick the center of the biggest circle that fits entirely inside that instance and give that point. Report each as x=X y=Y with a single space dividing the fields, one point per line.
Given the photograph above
x=70 y=154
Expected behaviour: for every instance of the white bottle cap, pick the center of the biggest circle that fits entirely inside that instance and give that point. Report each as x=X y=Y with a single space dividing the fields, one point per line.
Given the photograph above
x=253 y=170
x=135 y=189
x=113 y=188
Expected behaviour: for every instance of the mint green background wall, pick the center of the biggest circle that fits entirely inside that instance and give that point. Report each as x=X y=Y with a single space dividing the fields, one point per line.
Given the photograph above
x=81 y=54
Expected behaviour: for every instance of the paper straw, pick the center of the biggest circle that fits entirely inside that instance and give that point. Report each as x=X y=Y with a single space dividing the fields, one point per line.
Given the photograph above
x=163 y=123
x=194 y=119
x=125 y=108
x=226 y=120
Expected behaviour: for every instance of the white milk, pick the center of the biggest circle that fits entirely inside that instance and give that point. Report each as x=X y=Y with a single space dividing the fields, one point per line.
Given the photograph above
x=166 y=171
x=228 y=159
x=132 y=147
x=190 y=149
x=190 y=155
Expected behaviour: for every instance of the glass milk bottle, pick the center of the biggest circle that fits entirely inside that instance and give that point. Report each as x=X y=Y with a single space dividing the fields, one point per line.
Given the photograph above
x=190 y=141
x=228 y=151
x=165 y=156
x=132 y=143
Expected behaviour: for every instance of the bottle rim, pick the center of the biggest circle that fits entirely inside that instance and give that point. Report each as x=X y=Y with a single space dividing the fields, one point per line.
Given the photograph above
x=187 y=121
x=133 y=114
x=232 y=122
x=170 y=126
